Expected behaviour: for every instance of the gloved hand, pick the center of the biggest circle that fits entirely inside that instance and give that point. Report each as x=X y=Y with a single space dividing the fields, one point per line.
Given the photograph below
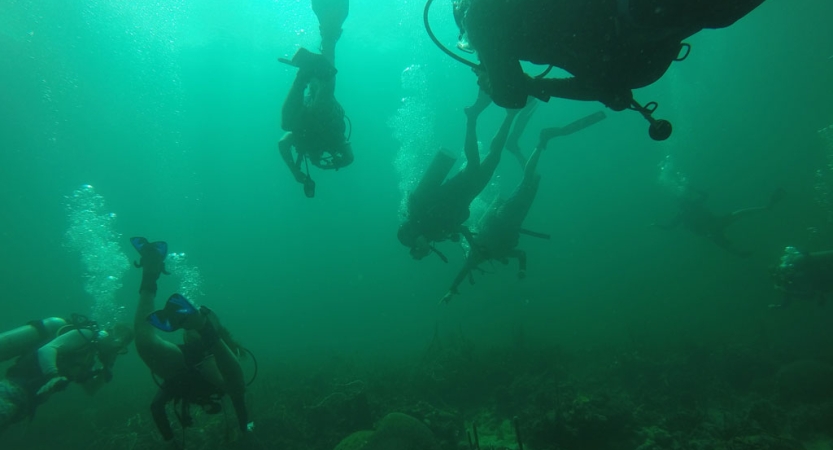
x=309 y=187
x=52 y=386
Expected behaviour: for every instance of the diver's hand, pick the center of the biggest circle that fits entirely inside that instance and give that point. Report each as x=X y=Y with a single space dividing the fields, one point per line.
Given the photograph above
x=300 y=177
x=618 y=101
x=522 y=274
x=447 y=297
x=52 y=386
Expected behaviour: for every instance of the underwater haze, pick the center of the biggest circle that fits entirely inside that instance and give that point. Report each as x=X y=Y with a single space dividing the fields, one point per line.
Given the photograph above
x=161 y=119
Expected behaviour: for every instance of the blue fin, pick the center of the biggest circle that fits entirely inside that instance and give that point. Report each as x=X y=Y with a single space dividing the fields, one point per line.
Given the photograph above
x=181 y=305
x=176 y=311
x=160 y=323
x=138 y=243
x=161 y=247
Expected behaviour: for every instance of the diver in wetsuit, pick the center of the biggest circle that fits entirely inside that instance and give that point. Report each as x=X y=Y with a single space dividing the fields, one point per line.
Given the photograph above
x=697 y=218
x=199 y=372
x=315 y=123
x=438 y=208
x=609 y=47
x=804 y=275
x=499 y=230
x=78 y=352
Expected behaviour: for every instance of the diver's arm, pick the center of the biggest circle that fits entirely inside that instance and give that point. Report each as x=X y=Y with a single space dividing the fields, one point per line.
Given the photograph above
x=293 y=105
x=69 y=342
x=238 y=401
x=566 y=88
x=521 y=255
x=574 y=89
x=229 y=366
x=285 y=148
x=461 y=275
x=503 y=78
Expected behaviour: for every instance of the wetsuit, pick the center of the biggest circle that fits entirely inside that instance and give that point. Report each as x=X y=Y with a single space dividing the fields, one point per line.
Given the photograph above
x=609 y=46
x=73 y=353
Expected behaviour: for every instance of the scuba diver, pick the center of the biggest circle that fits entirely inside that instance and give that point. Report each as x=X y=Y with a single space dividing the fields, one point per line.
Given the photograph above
x=203 y=369
x=499 y=230
x=609 y=47
x=437 y=208
x=51 y=354
x=803 y=275
x=315 y=123
x=697 y=218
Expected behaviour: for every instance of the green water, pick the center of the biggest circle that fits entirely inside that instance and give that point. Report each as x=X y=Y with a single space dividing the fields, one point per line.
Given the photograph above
x=170 y=110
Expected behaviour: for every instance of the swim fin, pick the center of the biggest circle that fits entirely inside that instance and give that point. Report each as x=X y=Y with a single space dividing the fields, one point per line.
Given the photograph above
x=331 y=14
x=173 y=316
x=573 y=127
x=153 y=253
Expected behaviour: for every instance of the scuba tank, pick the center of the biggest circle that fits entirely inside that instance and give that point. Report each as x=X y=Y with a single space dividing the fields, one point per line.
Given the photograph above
x=20 y=340
x=435 y=173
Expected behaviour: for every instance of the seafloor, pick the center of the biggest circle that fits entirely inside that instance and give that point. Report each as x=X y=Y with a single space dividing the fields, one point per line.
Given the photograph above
x=644 y=395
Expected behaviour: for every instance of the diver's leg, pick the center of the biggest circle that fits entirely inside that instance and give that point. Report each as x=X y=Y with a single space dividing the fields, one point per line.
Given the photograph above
x=478 y=176
x=293 y=105
x=470 y=147
x=531 y=166
x=547 y=134
x=521 y=122
x=162 y=357
x=480 y=104
x=331 y=16
x=517 y=206
x=492 y=158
